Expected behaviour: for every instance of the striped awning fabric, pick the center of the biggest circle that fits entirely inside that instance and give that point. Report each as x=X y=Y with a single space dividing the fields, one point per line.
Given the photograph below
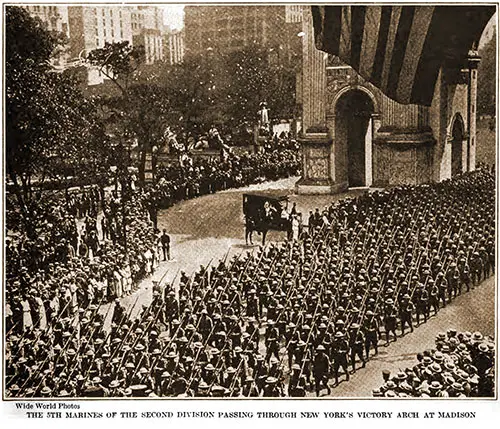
x=400 y=49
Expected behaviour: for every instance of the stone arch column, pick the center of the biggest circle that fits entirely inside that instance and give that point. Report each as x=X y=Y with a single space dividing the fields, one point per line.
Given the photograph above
x=340 y=151
x=458 y=139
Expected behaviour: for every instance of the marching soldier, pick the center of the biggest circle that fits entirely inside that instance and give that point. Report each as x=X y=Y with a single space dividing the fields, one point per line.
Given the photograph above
x=406 y=313
x=390 y=319
x=356 y=345
x=370 y=326
x=422 y=300
x=340 y=350
x=321 y=367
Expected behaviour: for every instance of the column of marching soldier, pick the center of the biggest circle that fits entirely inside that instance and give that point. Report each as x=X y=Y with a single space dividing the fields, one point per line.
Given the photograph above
x=66 y=258
x=285 y=320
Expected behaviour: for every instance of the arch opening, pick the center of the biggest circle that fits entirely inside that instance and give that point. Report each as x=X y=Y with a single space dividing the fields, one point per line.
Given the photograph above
x=353 y=136
x=457 y=146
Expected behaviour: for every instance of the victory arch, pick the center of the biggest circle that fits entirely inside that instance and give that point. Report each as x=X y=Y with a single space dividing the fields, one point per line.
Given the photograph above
x=356 y=136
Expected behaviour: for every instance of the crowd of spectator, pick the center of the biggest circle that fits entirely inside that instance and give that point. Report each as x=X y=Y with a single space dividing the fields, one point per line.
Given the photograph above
x=96 y=244
x=289 y=319
x=461 y=365
x=202 y=176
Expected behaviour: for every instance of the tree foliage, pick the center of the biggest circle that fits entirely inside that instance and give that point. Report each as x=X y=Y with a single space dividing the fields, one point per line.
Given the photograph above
x=486 y=79
x=195 y=90
x=51 y=129
x=257 y=76
x=228 y=87
x=137 y=110
x=118 y=61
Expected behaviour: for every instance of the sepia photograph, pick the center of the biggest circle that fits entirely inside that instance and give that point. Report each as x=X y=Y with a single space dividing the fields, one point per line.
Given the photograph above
x=249 y=201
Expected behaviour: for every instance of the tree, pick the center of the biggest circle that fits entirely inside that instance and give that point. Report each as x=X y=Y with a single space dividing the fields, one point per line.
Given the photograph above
x=195 y=89
x=50 y=128
x=138 y=109
x=486 y=79
x=228 y=87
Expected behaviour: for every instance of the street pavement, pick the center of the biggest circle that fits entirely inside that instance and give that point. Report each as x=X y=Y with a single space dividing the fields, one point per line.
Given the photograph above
x=472 y=311
x=206 y=229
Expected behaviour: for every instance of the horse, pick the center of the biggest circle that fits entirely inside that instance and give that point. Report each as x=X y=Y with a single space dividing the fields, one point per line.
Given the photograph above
x=252 y=226
x=262 y=228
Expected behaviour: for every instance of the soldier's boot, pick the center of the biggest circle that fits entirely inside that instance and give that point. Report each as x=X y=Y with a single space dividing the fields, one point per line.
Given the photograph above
x=328 y=388
x=347 y=375
x=363 y=363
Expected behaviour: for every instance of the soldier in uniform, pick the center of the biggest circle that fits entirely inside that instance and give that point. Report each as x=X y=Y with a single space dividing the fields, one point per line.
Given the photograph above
x=406 y=313
x=297 y=382
x=422 y=300
x=442 y=284
x=433 y=297
x=356 y=345
x=370 y=326
x=321 y=369
x=390 y=319
x=250 y=389
x=340 y=350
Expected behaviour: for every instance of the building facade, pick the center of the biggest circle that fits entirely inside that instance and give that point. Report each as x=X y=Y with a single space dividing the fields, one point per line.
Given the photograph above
x=56 y=19
x=372 y=140
x=91 y=27
x=227 y=28
x=147 y=30
x=293 y=13
x=174 y=46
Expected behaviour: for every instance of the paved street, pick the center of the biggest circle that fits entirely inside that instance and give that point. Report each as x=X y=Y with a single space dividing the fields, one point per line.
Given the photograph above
x=473 y=311
x=206 y=228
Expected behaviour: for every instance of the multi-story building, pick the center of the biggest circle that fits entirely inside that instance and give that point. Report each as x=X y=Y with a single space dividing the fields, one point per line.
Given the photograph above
x=56 y=19
x=221 y=29
x=91 y=27
x=293 y=13
x=227 y=28
x=147 y=30
x=174 y=46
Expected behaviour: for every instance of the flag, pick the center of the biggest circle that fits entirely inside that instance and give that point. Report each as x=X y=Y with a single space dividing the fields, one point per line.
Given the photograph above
x=400 y=49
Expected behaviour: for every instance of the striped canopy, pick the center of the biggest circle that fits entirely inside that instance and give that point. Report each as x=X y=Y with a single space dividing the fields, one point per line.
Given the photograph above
x=400 y=49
